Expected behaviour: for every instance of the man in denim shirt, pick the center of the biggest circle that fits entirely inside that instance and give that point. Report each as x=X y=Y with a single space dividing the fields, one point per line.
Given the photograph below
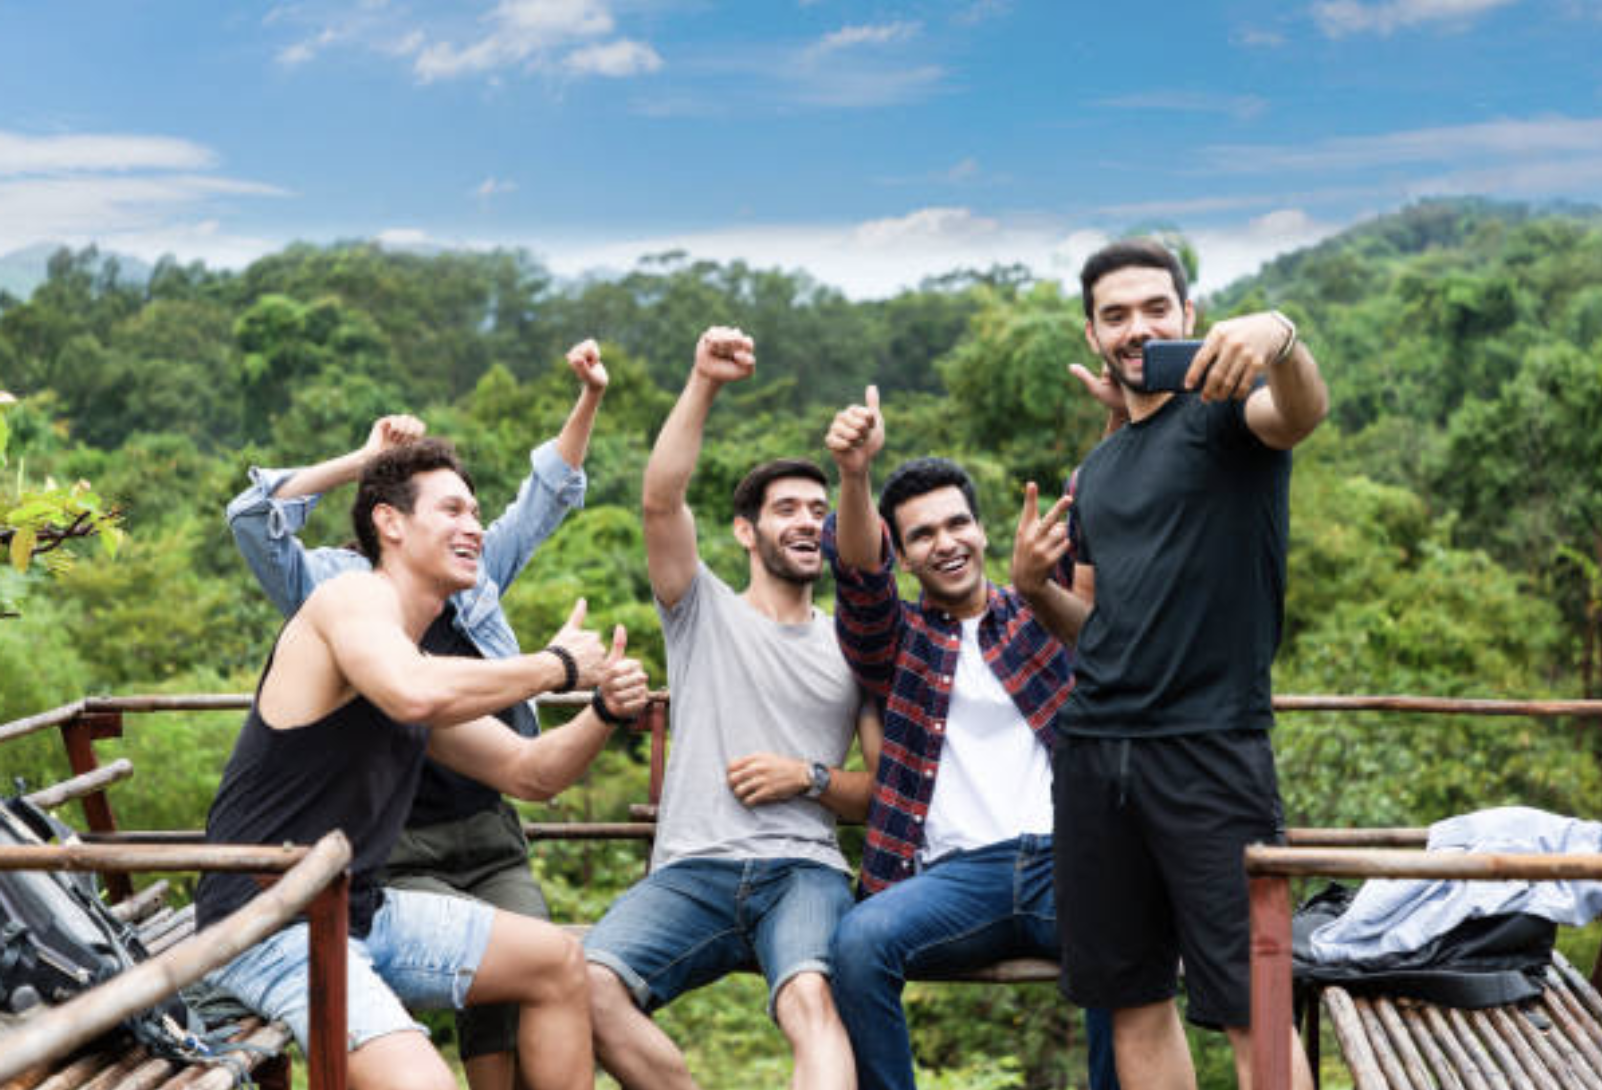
x=461 y=836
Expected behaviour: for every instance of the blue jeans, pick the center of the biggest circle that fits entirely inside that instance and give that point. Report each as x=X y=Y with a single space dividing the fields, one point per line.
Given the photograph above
x=694 y=921
x=968 y=910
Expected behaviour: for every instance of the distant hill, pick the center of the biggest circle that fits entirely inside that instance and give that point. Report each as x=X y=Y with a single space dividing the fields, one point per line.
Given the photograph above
x=23 y=270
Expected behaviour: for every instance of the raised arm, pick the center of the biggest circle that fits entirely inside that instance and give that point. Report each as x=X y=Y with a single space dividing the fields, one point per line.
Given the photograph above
x=573 y=441
x=537 y=769
x=266 y=517
x=855 y=437
x=722 y=355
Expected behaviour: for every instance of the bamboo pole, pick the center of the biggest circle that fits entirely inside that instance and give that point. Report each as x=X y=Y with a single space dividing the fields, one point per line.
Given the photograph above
x=1392 y=863
x=58 y=1031
x=131 y=858
x=77 y=787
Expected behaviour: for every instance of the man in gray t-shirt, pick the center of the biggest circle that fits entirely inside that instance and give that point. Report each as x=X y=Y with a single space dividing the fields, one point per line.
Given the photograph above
x=764 y=707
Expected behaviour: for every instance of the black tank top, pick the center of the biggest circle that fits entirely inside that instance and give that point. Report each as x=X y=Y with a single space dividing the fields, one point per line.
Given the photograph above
x=355 y=769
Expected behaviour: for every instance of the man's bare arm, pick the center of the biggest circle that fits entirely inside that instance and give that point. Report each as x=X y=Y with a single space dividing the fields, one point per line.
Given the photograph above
x=721 y=356
x=759 y=778
x=357 y=616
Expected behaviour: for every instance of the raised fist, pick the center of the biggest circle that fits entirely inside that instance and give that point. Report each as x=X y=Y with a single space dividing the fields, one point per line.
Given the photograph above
x=725 y=355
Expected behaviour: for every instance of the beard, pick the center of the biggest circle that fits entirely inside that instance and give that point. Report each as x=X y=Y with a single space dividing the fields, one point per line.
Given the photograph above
x=778 y=563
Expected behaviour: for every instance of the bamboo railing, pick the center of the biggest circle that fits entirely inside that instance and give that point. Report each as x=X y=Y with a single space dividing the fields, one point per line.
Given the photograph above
x=313 y=880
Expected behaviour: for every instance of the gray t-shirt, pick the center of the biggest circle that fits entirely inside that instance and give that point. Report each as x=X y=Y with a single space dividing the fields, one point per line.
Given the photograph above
x=745 y=684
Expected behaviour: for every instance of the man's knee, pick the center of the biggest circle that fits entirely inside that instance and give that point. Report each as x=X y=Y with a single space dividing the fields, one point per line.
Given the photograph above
x=805 y=1005
x=609 y=997
x=399 y=1061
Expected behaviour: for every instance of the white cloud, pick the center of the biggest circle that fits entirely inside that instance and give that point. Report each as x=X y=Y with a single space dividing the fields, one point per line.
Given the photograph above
x=1258 y=38
x=615 y=59
x=521 y=32
x=1339 y=18
x=493 y=187
x=131 y=193
x=1229 y=253
x=926 y=227
x=848 y=37
x=401 y=238
x=1514 y=139
x=868 y=86
x=21 y=154
x=301 y=52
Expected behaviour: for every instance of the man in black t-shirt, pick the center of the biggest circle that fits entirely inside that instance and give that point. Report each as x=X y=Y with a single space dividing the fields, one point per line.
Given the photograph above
x=1163 y=767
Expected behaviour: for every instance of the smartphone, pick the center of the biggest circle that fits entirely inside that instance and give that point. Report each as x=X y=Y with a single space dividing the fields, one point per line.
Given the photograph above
x=1164 y=363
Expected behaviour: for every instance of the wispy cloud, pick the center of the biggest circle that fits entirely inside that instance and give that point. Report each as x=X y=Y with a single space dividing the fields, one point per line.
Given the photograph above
x=120 y=190
x=1240 y=107
x=1258 y=38
x=1490 y=139
x=1341 y=18
x=24 y=154
x=848 y=37
x=493 y=187
x=863 y=66
x=615 y=59
x=566 y=37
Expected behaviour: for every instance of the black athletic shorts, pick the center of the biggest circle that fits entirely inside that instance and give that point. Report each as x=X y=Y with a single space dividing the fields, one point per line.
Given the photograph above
x=1149 y=838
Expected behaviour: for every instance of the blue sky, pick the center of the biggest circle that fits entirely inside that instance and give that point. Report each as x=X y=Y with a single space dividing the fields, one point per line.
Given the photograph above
x=868 y=143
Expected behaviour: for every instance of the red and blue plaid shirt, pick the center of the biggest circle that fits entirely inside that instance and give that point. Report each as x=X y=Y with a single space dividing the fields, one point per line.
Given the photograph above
x=906 y=655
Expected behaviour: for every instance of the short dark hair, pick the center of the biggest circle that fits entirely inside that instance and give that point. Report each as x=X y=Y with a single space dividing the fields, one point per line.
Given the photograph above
x=752 y=491
x=1125 y=253
x=388 y=479
x=918 y=477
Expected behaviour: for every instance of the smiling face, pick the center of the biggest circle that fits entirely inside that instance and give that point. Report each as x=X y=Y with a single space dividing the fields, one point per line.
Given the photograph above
x=441 y=537
x=943 y=546
x=1133 y=305
x=788 y=532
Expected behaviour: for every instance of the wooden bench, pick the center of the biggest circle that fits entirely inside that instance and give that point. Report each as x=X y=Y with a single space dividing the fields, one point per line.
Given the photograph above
x=1393 y=1043
x=67 y=1047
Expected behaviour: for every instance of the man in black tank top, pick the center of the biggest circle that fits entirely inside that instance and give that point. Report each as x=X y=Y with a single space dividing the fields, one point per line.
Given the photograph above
x=343 y=714
x=461 y=836
x=1163 y=768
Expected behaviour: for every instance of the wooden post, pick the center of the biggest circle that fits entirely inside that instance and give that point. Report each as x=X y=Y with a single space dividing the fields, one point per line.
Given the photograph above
x=329 y=917
x=79 y=734
x=1271 y=983
x=656 y=718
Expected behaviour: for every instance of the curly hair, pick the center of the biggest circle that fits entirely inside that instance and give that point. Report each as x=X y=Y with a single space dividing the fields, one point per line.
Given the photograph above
x=388 y=479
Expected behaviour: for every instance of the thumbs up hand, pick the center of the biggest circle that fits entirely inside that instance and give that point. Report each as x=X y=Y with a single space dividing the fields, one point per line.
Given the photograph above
x=857 y=434
x=623 y=686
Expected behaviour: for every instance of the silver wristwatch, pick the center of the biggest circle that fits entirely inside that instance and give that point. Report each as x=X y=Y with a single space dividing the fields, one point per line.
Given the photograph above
x=820 y=780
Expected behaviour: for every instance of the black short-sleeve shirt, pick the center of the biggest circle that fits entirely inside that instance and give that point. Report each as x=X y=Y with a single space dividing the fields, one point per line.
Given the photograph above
x=1184 y=516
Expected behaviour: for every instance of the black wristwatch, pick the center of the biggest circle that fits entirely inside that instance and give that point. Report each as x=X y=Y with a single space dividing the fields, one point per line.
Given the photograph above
x=820 y=780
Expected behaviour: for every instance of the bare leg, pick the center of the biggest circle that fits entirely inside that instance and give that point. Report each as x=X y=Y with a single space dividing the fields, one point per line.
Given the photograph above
x=806 y=1014
x=1241 y=1041
x=1150 y=1048
x=537 y=965
x=399 y=1061
x=491 y=1071
x=632 y=1048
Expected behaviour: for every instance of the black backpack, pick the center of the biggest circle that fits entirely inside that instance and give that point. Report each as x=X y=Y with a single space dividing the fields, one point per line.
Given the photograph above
x=58 y=938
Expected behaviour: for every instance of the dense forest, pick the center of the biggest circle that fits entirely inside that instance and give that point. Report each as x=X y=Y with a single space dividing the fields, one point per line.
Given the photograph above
x=1446 y=526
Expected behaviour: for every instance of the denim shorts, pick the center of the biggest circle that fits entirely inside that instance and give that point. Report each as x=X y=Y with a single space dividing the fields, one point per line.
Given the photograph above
x=422 y=952
x=697 y=920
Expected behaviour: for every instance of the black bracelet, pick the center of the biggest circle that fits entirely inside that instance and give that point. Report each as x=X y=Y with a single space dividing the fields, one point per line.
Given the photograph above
x=606 y=715
x=570 y=676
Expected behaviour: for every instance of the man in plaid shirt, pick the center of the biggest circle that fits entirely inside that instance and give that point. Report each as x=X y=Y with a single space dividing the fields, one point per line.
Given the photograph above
x=957 y=870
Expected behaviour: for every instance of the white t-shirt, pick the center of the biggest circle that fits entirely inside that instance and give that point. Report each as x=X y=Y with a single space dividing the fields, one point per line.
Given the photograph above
x=994 y=782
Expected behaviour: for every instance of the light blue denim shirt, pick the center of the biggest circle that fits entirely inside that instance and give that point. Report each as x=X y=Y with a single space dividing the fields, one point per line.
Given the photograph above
x=265 y=529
